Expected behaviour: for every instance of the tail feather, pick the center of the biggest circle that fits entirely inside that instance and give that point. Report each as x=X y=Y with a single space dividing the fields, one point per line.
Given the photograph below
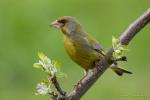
x=120 y=71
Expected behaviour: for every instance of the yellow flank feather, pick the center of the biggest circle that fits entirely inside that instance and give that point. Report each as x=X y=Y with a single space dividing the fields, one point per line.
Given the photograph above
x=81 y=53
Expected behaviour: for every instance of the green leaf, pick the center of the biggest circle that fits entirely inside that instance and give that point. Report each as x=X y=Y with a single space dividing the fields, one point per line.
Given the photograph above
x=118 y=48
x=123 y=47
x=44 y=58
x=56 y=64
x=47 y=82
x=50 y=67
x=114 y=42
x=41 y=55
x=60 y=75
x=37 y=65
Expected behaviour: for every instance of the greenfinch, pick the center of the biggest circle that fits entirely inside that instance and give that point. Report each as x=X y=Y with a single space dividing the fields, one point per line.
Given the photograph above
x=80 y=46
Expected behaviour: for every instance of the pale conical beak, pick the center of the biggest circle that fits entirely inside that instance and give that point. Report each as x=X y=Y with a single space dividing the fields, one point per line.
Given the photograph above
x=55 y=24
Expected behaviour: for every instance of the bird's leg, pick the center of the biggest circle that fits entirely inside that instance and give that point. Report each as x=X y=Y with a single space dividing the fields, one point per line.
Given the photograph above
x=85 y=74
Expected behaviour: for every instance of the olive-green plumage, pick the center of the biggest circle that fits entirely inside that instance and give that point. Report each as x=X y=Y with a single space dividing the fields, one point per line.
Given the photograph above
x=82 y=48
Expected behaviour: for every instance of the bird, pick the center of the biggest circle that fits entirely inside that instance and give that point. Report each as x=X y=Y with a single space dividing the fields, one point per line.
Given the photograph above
x=82 y=48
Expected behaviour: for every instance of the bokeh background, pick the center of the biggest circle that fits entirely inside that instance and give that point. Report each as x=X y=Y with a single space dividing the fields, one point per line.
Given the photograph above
x=24 y=31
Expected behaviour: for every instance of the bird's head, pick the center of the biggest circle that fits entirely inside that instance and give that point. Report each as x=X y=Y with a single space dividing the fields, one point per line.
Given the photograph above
x=67 y=25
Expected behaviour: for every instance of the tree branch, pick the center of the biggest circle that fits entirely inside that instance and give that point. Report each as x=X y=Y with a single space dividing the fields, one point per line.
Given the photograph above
x=135 y=27
x=100 y=67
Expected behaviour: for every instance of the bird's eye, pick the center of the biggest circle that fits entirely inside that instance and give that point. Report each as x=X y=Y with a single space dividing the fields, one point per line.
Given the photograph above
x=62 y=21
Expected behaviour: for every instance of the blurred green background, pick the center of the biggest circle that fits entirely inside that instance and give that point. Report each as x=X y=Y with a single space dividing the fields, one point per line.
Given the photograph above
x=24 y=31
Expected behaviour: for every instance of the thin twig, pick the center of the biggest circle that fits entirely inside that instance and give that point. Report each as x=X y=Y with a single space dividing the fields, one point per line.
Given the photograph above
x=57 y=86
x=60 y=94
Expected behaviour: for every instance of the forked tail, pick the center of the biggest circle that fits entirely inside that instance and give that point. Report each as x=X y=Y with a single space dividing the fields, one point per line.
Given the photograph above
x=120 y=71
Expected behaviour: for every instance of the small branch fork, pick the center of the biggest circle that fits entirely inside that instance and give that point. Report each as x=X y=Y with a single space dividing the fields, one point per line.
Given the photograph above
x=101 y=66
x=57 y=86
x=56 y=96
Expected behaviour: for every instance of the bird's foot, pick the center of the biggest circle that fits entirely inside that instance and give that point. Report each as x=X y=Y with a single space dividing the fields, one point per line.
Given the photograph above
x=123 y=58
x=80 y=81
x=115 y=60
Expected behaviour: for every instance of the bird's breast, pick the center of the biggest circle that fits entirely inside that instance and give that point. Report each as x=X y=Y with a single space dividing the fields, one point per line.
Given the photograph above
x=80 y=52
